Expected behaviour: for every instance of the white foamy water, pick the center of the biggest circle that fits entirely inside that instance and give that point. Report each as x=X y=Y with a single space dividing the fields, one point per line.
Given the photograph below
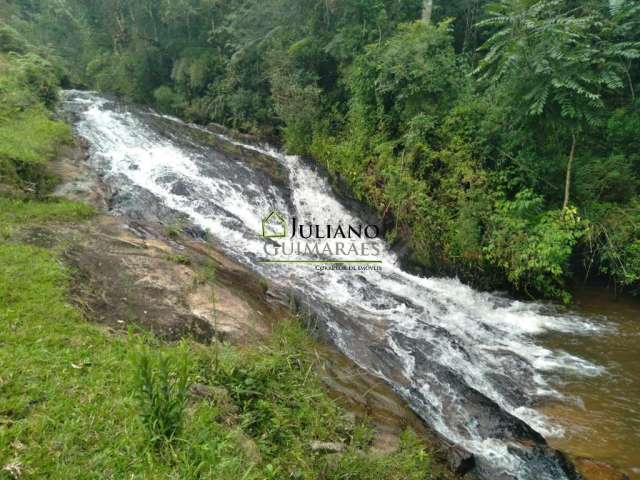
x=448 y=349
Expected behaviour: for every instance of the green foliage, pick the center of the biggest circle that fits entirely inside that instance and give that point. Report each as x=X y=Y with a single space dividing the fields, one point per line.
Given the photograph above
x=282 y=404
x=160 y=386
x=174 y=229
x=413 y=77
x=532 y=245
x=612 y=246
x=298 y=107
x=167 y=100
x=557 y=63
x=179 y=259
x=14 y=213
x=29 y=138
x=408 y=463
x=387 y=104
x=42 y=141
x=11 y=40
x=264 y=285
x=66 y=405
x=270 y=384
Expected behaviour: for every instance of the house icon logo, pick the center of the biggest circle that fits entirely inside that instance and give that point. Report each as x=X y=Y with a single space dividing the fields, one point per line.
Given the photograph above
x=274 y=225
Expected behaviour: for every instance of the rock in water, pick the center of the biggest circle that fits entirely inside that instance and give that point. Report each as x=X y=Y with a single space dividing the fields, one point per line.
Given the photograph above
x=460 y=460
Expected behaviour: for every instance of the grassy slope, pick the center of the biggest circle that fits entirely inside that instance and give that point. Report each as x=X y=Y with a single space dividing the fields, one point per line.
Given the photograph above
x=68 y=406
x=29 y=137
x=68 y=403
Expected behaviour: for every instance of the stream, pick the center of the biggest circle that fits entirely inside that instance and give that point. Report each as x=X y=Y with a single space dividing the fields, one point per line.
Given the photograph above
x=492 y=375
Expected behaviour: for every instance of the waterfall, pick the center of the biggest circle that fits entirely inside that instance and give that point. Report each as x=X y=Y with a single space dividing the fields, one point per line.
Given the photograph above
x=468 y=362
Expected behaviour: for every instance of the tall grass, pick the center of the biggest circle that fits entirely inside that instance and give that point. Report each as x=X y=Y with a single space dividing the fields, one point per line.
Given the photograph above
x=161 y=381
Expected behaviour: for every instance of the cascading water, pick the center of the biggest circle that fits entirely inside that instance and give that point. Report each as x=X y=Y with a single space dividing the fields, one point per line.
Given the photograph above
x=467 y=362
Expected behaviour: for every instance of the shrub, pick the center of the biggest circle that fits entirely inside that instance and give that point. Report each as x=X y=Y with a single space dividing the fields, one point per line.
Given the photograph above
x=534 y=246
x=167 y=100
x=11 y=40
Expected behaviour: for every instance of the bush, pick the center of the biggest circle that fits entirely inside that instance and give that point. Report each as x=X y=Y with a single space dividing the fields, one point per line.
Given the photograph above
x=613 y=243
x=532 y=245
x=413 y=74
x=168 y=101
x=11 y=40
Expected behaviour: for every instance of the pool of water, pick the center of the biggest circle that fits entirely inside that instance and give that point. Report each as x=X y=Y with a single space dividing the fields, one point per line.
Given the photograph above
x=603 y=419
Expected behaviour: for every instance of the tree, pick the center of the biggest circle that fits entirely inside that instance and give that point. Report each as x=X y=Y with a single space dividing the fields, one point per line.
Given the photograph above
x=412 y=76
x=427 y=8
x=558 y=66
x=625 y=35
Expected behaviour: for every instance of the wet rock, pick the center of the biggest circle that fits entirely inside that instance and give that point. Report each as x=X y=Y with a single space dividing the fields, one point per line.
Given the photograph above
x=593 y=470
x=460 y=460
x=196 y=232
x=181 y=188
x=216 y=128
x=327 y=447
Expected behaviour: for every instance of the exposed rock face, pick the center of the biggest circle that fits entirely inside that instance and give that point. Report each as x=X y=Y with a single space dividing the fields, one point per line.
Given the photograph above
x=122 y=281
x=126 y=271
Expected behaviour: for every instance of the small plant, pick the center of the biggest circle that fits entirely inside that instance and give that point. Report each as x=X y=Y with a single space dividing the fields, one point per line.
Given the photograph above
x=264 y=285
x=175 y=229
x=179 y=259
x=211 y=276
x=160 y=386
x=205 y=275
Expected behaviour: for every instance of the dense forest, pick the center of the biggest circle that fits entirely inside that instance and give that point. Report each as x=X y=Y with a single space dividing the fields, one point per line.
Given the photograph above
x=499 y=141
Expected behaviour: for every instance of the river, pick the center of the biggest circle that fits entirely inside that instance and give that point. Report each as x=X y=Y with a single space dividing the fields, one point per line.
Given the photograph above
x=600 y=416
x=481 y=369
